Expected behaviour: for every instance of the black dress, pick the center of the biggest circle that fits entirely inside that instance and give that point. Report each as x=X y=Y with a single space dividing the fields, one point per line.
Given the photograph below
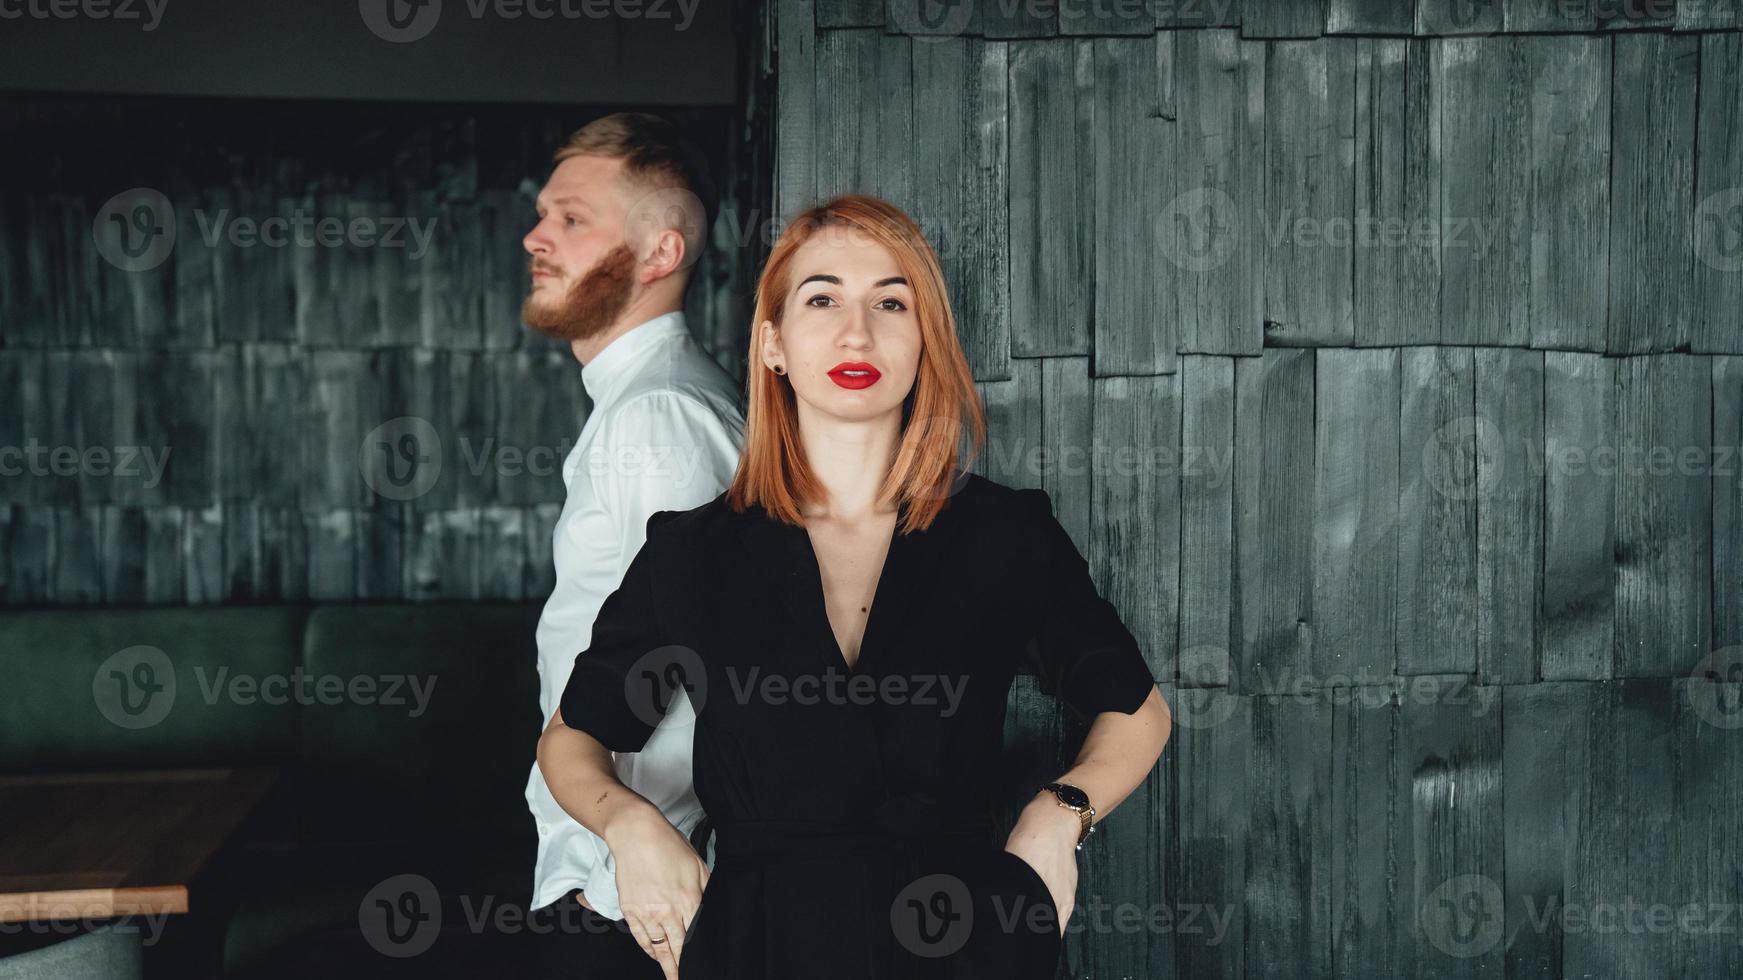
x=854 y=809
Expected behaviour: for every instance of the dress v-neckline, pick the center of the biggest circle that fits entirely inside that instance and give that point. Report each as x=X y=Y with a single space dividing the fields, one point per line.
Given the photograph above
x=818 y=601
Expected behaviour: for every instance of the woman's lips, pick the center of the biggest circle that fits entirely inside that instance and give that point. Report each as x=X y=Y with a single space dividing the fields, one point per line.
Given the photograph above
x=854 y=374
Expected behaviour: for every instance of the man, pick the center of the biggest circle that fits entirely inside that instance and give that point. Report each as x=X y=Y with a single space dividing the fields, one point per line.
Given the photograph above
x=622 y=220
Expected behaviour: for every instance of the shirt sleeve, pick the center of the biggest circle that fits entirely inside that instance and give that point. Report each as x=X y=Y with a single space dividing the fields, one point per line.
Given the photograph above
x=1080 y=650
x=663 y=450
x=620 y=686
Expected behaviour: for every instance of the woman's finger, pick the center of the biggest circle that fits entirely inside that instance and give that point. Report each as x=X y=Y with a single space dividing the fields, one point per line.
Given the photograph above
x=644 y=938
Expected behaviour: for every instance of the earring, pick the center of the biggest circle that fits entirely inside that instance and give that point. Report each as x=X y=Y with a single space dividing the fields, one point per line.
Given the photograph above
x=780 y=370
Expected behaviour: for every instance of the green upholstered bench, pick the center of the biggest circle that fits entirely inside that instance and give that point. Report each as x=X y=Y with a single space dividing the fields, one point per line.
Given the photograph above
x=403 y=733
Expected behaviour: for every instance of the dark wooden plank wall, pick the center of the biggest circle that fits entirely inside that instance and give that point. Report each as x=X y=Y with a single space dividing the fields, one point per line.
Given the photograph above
x=1439 y=555
x=262 y=369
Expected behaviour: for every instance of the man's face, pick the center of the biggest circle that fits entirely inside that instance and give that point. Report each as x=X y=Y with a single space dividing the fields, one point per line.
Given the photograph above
x=582 y=271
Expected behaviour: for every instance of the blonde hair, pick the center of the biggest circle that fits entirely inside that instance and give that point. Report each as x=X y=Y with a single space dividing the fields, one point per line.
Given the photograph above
x=656 y=156
x=943 y=405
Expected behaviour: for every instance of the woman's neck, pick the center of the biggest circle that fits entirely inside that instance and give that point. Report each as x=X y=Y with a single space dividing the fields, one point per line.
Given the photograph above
x=851 y=460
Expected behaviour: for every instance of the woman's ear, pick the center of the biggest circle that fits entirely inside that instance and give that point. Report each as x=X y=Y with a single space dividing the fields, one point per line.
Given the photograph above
x=773 y=357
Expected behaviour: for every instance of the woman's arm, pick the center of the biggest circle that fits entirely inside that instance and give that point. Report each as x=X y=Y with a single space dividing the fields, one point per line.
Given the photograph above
x=660 y=877
x=1118 y=754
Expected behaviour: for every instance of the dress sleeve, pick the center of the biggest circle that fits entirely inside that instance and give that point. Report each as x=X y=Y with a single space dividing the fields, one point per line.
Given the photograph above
x=621 y=684
x=1080 y=650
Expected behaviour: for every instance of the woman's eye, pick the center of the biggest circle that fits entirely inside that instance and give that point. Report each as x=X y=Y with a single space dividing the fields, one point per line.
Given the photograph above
x=813 y=300
x=892 y=304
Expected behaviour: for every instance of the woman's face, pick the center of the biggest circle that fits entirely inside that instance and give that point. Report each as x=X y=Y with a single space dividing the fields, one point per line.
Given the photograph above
x=850 y=340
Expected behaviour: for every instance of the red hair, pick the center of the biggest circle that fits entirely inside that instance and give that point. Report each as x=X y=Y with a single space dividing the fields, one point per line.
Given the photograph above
x=942 y=406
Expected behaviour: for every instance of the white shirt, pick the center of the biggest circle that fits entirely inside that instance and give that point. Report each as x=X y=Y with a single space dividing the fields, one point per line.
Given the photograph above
x=665 y=433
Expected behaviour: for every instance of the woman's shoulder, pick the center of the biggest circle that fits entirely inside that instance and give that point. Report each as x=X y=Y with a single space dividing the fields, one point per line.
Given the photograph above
x=678 y=524
x=991 y=498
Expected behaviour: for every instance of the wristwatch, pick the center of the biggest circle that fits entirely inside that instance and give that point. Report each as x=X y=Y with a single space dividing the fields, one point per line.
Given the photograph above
x=1077 y=801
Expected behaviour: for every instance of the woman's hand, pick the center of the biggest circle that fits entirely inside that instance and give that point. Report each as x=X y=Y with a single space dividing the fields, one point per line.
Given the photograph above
x=660 y=878
x=1046 y=837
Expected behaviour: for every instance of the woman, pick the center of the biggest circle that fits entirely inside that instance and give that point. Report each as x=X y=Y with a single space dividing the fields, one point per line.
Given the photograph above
x=847 y=618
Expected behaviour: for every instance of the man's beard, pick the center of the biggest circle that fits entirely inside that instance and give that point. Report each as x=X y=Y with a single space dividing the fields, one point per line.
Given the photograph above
x=591 y=305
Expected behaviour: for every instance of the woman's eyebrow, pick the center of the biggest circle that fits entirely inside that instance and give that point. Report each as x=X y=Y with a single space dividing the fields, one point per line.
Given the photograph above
x=836 y=280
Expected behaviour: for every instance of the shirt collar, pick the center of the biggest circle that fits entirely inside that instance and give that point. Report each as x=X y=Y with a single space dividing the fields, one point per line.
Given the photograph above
x=621 y=356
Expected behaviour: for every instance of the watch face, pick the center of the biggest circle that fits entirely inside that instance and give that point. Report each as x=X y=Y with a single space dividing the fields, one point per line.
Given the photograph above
x=1071 y=796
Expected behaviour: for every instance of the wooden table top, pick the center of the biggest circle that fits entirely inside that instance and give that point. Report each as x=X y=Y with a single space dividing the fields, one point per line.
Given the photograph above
x=96 y=845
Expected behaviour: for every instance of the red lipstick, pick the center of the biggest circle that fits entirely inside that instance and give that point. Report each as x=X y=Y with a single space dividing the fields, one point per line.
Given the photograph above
x=854 y=374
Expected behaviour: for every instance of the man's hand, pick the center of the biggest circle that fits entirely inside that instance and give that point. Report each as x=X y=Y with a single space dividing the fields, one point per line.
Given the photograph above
x=660 y=879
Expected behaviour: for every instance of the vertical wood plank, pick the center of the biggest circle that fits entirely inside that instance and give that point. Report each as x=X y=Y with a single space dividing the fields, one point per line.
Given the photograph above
x=1135 y=331
x=1370 y=16
x=851 y=13
x=795 y=122
x=1397 y=169
x=1547 y=16
x=1727 y=501
x=1664 y=514
x=1207 y=534
x=966 y=217
x=1009 y=21
x=1282 y=18
x=1213 y=750
x=1437 y=544
x=1355 y=515
x=1050 y=169
x=1651 y=192
x=1067 y=438
x=1570 y=189
x=1716 y=301
x=1448 y=852
x=1546 y=755
x=1434 y=17
x=541 y=525
x=1706 y=816
x=1579 y=532
x=1014 y=449
x=1509 y=442
x=258 y=457
x=1364 y=916
x=331 y=564
x=1480 y=100
x=78 y=559
x=343 y=406
x=1212 y=231
x=203 y=554
x=1625 y=852
x=1274 y=446
x=1135 y=508
x=1309 y=191
x=1288 y=890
